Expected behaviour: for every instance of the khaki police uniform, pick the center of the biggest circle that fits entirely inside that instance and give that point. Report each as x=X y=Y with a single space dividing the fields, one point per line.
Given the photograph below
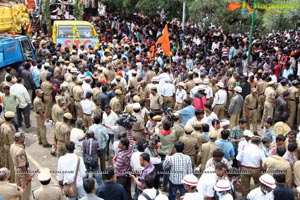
x=261 y=86
x=207 y=150
x=138 y=128
x=116 y=105
x=251 y=104
x=179 y=130
x=156 y=102
x=58 y=113
x=47 y=88
x=8 y=131
x=133 y=82
x=72 y=101
x=78 y=95
x=50 y=192
x=43 y=75
x=41 y=128
x=270 y=95
x=2 y=149
x=188 y=86
x=10 y=191
x=296 y=170
x=191 y=146
x=230 y=85
x=294 y=95
x=109 y=75
x=143 y=93
x=57 y=72
x=96 y=111
x=149 y=75
x=280 y=90
x=276 y=163
x=96 y=91
x=61 y=136
x=19 y=157
x=281 y=128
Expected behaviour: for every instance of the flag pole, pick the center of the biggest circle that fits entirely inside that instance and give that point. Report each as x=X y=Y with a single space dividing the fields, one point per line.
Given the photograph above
x=251 y=32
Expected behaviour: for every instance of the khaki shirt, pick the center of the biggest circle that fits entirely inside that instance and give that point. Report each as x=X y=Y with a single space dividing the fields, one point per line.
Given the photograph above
x=96 y=92
x=156 y=102
x=62 y=132
x=293 y=93
x=189 y=85
x=115 y=105
x=18 y=155
x=190 y=144
x=179 y=131
x=57 y=113
x=49 y=191
x=276 y=163
x=296 y=170
x=280 y=90
x=149 y=75
x=250 y=101
x=110 y=75
x=38 y=104
x=43 y=75
x=139 y=124
x=143 y=93
x=207 y=150
x=129 y=108
x=8 y=131
x=133 y=82
x=78 y=93
x=47 y=88
x=231 y=84
x=70 y=88
x=57 y=72
x=261 y=86
x=281 y=128
x=200 y=136
x=10 y=191
x=270 y=94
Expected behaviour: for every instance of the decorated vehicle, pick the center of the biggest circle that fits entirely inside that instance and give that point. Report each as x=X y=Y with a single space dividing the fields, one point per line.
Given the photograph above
x=69 y=33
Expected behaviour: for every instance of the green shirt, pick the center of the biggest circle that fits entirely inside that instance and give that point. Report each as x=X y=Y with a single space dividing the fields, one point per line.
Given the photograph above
x=10 y=102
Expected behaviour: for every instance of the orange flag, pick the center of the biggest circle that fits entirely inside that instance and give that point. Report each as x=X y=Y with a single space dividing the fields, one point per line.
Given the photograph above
x=152 y=51
x=249 y=8
x=233 y=6
x=164 y=41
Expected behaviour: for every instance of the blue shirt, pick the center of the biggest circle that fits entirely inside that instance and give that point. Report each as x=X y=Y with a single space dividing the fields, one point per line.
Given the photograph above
x=187 y=113
x=101 y=134
x=36 y=77
x=227 y=148
x=112 y=191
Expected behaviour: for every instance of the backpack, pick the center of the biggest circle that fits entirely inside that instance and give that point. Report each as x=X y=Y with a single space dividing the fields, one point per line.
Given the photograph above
x=147 y=197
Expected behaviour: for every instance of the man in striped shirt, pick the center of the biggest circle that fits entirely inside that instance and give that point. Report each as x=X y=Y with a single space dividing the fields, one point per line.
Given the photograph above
x=122 y=162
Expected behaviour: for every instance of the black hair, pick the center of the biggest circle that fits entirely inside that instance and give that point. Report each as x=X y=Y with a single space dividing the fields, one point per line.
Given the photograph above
x=292 y=146
x=280 y=151
x=97 y=119
x=88 y=95
x=265 y=140
x=225 y=134
x=145 y=156
x=284 y=117
x=187 y=101
x=109 y=173
x=280 y=137
x=215 y=121
x=45 y=182
x=8 y=78
x=242 y=121
x=140 y=145
x=269 y=121
x=88 y=185
x=167 y=125
x=199 y=112
x=279 y=177
x=179 y=146
x=208 y=106
x=70 y=146
x=221 y=165
x=205 y=127
x=292 y=132
x=125 y=142
x=149 y=180
x=218 y=153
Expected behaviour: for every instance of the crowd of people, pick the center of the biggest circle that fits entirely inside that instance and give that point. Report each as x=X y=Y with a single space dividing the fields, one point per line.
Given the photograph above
x=202 y=122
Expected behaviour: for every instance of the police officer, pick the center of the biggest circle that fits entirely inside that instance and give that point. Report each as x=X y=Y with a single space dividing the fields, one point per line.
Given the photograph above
x=156 y=100
x=270 y=95
x=46 y=190
x=78 y=96
x=189 y=83
x=40 y=116
x=47 y=88
x=62 y=134
x=58 y=110
x=138 y=127
x=261 y=87
x=129 y=107
x=21 y=164
x=8 y=190
x=294 y=97
x=87 y=107
x=115 y=103
x=250 y=109
x=8 y=130
x=71 y=85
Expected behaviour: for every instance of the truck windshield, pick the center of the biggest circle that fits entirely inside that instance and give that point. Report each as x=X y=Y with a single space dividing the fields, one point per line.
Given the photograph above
x=66 y=31
x=27 y=49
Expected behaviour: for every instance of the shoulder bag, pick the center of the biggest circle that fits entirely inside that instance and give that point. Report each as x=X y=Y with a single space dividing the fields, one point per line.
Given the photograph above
x=70 y=190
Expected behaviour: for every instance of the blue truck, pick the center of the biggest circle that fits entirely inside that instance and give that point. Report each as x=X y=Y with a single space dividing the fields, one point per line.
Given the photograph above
x=15 y=49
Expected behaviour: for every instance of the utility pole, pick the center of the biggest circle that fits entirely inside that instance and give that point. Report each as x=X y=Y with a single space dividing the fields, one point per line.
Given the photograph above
x=251 y=32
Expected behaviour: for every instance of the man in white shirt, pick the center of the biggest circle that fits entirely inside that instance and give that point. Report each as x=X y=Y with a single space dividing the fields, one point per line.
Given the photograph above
x=220 y=101
x=66 y=169
x=86 y=87
x=24 y=105
x=168 y=91
x=109 y=119
x=194 y=90
x=250 y=159
x=209 y=179
x=208 y=116
x=208 y=90
x=180 y=96
x=246 y=141
x=87 y=106
x=265 y=190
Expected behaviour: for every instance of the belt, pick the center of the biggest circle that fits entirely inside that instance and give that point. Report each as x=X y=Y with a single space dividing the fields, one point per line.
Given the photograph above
x=251 y=108
x=47 y=94
x=292 y=99
x=87 y=114
x=77 y=101
x=219 y=104
x=39 y=113
x=250 y=167
x=61 y=141
x=138 y=130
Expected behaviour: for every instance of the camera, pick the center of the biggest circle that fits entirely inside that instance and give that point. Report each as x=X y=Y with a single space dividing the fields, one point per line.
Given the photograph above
x=125 y=120
x=168 y=111
x=155 y=141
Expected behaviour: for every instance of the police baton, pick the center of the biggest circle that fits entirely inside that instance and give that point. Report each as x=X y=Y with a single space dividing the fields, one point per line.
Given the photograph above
x=23 y=186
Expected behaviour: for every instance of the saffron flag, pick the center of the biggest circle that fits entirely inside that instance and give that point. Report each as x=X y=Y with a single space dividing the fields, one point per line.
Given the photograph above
x=233 y=6
x=164 y=41
x=152 y=51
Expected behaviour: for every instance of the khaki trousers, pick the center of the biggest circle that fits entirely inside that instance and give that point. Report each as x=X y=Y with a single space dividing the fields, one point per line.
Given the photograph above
x=178 y=106
x=292 y=107
x=41 y=129
x=48 y=105
x=61 y=148
x=268 y=112
x=10 y=164
x=168 y=101
x=79 y=111
x=234 y=120
x=252 y=119
x=246 y=175
x=87 y=120
x=219 y=110
x=20 y=181
x=261 y=100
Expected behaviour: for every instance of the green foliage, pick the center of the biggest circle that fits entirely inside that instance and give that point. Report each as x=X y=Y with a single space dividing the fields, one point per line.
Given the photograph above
x=78 y=9
x=45 y=10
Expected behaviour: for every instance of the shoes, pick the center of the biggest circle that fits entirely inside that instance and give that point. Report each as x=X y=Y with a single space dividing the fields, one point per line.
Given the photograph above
x=47 y=145
x=165 y=189
x=53 y=153
x=28 y=126
x=40 y=143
